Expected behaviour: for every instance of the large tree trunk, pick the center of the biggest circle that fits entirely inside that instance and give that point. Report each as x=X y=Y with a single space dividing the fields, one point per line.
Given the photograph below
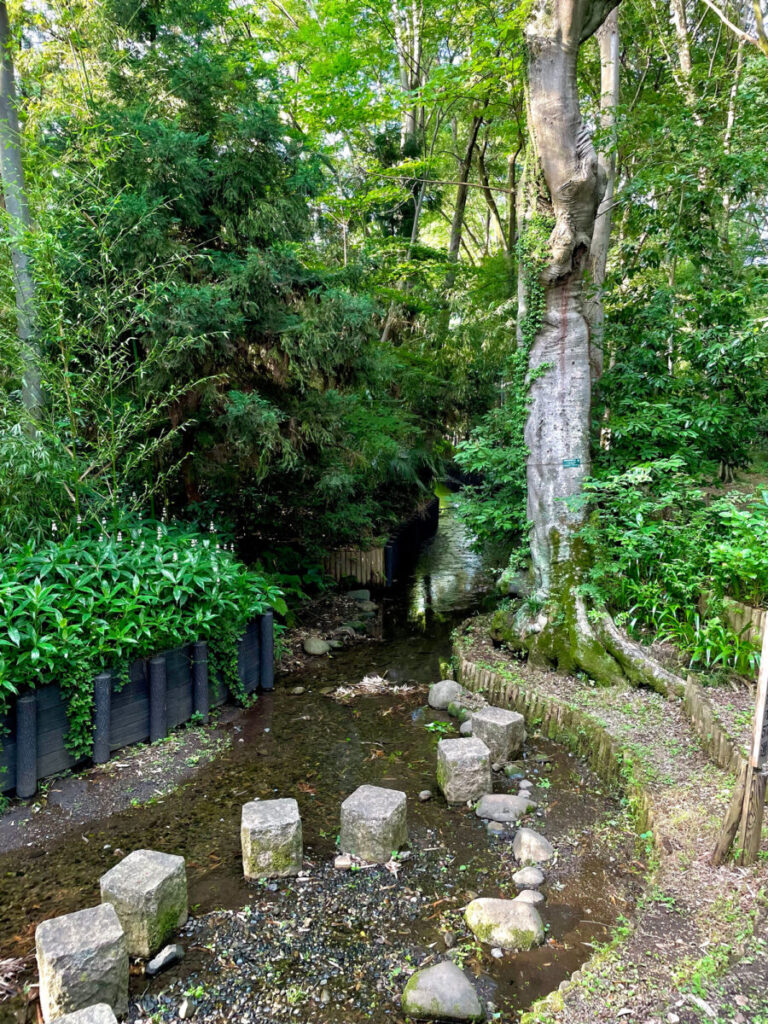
x=608 y=39
x=14 y=193
x=565 y=190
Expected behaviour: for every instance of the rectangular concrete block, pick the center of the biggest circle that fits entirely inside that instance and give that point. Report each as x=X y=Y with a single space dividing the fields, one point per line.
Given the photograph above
x=502 y=731
x=148 y=890
x=99 y=1014
x=463 y=769
x=82 y=960
x=271 y=838
x=373 y=823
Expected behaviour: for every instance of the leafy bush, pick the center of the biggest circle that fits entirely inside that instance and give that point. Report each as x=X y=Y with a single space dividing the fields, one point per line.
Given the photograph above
x=660 y=543
x=71 y=608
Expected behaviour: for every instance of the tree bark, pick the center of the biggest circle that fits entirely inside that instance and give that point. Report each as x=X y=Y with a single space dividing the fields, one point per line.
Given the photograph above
x=462 y=189
x=608 y=40
x=15 y=195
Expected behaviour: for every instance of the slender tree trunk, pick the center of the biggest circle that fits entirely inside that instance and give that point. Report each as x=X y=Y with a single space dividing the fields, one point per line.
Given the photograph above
x=14 y=193
x=462 y=190
x=608 y=39
x=489 y=198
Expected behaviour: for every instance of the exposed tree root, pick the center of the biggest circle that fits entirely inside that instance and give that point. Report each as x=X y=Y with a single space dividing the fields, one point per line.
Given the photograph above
x=566 y=636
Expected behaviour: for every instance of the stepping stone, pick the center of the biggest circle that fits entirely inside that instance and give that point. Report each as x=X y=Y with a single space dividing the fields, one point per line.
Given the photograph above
x=441 y=992
x=532 y=896
x=502 y=731
x=358 y=595
x=465 y=729
x=271 y=838
x=463 y=769
x=444 y=693
x=531 y=848
x=82 y=959
x=495 y=828
x=503 y=807
x=525 y=784
x=510 y=924
x=98 y=1014
x=373 y=823
x=528 y=878
x=148 y=890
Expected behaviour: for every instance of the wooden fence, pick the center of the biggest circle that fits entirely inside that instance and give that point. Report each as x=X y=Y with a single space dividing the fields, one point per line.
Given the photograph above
x=384 y=566
x=161 y=693
x=743 y=619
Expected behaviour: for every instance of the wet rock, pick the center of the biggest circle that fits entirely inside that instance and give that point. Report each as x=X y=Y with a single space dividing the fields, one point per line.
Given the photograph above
x=367 y=606
x=496 y=828
x=373 y=823
x=506 y=923
x=441 y=992
x=343 y=862
x=271 y=838
x=503 y=807
x=336 y=645
x=532 y=896
x=315 y=646
x=186 y=1009
x=514 y=770
x=148 y=890
x=449 y=940
x=502 y=731
x=525 y=784
x=98 y=1014
x=82 y=959
x=443 y=693
x=528 y=878
x=465 y=729
x=530 y=847
x=167 y=957
x=297 y=691
x=463 y=769
x=358 y=595
x=424 y=795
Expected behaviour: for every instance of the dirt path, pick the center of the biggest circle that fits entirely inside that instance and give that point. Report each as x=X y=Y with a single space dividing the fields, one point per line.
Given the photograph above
x=696 y=948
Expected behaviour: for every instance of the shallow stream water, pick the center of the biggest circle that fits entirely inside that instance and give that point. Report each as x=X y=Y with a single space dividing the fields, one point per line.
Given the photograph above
x=337 y=946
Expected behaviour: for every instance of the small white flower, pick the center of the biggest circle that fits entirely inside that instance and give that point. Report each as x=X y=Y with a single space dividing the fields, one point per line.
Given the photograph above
x=175 y=557
x=119 y=536
x=54 y=527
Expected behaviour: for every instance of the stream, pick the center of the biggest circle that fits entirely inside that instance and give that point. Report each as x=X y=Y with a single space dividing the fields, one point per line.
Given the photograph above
x=338 y=946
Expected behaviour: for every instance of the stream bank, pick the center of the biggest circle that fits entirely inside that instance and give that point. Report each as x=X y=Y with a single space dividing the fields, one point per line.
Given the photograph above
x=338 y=946
x=696 y=949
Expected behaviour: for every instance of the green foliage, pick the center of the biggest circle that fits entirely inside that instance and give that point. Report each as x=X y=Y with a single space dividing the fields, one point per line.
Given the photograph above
x=660 y=542
x=74 y=607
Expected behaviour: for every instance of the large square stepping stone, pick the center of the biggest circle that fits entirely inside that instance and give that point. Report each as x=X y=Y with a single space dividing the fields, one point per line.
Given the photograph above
x=148 y=889
x=271 y=838
x=502 y=731
x=463 y=769
x=373 y=823
x=99 y=1014
x=82 y=959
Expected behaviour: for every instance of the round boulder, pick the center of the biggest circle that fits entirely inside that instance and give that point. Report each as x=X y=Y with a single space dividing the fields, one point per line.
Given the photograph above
x=446 y=692
x=531 y=848
x=442 y=992
x=315 y=646
x=528 y=878
x=510 y=924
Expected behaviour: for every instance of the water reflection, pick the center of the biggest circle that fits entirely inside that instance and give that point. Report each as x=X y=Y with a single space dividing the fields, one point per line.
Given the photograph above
x=449 y=577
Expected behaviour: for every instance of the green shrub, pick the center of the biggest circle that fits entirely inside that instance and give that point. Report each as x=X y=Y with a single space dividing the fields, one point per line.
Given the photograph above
x=74 y=607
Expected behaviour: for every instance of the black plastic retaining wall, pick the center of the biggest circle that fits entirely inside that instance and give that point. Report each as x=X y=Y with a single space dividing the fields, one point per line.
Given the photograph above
x=403 y=546
x=161 y=693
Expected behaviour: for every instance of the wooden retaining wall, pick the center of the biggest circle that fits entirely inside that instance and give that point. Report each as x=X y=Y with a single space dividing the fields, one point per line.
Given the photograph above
x=570 y=726
x=383 y=566
x=744 y=619
x=366 y=566
x=160 y=694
